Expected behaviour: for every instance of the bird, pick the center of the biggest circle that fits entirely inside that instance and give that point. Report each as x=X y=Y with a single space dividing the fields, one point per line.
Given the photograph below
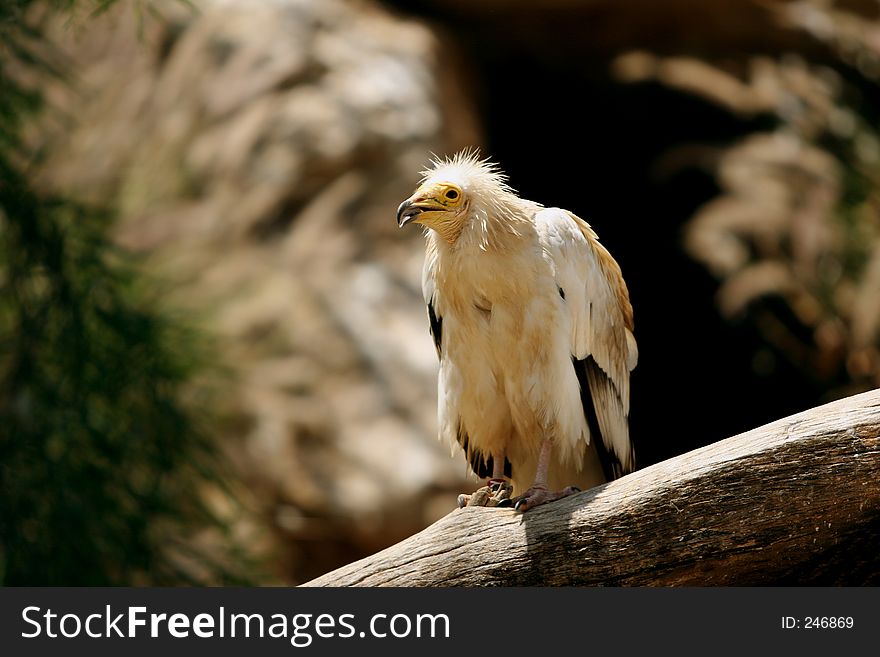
x=533 y=327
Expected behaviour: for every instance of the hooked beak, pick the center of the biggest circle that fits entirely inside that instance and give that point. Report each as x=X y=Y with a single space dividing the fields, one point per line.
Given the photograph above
x=406 y=212
x=410 y=209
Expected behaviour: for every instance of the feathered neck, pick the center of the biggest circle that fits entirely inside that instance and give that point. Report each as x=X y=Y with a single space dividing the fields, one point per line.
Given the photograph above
x=496 y=218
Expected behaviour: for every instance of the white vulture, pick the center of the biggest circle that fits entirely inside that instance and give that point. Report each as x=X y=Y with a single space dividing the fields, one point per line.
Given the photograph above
x=534 y=330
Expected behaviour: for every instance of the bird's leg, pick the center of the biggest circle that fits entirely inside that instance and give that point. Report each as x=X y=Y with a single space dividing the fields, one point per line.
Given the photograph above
x=496 y=492
x=539 y=493
x=499 y=486
x=497 y=479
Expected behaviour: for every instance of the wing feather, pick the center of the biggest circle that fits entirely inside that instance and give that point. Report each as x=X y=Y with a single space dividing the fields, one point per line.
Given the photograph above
x=429 y=289
x=602 y=343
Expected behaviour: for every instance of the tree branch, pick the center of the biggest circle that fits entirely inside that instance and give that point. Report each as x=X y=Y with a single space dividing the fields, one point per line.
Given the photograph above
x=795 y=501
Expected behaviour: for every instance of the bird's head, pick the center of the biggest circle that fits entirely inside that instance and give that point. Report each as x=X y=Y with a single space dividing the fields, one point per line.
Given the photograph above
x=452 y=192
x=437 y=204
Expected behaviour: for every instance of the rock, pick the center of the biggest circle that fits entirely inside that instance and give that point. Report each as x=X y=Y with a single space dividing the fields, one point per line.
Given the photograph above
x=257 y=153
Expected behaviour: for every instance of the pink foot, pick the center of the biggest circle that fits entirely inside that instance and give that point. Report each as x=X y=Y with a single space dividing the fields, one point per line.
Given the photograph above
x=539 y=494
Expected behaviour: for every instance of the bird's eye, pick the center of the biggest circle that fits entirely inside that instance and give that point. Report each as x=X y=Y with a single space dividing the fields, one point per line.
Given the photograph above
x=451 y=194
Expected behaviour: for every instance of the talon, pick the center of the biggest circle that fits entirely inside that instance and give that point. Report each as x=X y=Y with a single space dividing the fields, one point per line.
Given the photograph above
x=538 y=495
x=463 y=500
x=505 y=502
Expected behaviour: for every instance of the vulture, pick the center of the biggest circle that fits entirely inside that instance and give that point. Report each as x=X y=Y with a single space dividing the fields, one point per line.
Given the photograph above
x=533 y=326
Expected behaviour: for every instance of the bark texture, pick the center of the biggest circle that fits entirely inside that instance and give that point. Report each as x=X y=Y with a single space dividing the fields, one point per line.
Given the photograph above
x=795 y=501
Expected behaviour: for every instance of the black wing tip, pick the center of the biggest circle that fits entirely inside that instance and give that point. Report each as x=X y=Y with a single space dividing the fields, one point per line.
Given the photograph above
x=436 y=328
x=612 y=467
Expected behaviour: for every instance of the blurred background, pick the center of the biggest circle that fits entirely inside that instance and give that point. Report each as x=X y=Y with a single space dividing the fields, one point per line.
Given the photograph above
x=215 y=363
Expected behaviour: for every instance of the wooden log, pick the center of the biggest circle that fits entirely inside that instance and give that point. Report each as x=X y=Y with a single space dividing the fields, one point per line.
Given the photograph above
x=795 y=501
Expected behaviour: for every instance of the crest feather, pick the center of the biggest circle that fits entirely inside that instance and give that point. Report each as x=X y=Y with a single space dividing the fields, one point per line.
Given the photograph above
x=468 y=169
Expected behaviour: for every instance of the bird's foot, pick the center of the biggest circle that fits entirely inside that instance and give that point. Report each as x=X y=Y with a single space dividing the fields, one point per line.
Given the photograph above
x=540 y=494
x=496 y=493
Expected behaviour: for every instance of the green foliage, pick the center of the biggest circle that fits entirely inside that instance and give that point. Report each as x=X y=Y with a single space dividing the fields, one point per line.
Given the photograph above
x=103 y=469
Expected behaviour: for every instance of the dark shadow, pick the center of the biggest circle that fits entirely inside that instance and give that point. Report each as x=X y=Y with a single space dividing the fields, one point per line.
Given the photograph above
x=556 y=559
x=598 y=157
x=570 y=135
